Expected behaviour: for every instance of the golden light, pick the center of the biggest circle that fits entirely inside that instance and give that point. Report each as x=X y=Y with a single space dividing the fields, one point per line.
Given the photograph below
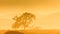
x=47 y=13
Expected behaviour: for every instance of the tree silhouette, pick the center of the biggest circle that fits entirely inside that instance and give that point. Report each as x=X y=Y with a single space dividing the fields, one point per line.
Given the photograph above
x=25 y=19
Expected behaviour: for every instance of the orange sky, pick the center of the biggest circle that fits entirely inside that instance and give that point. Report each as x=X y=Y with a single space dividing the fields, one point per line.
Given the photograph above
x=47 y=13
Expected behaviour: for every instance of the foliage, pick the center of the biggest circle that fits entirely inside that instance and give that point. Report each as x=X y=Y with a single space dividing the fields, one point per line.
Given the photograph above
x=25 y=19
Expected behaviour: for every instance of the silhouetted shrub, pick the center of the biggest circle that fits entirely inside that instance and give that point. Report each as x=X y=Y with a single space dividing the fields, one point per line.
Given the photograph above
x=13 y=32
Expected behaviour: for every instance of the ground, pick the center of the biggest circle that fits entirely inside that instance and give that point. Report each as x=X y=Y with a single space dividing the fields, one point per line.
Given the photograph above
x=37 y=31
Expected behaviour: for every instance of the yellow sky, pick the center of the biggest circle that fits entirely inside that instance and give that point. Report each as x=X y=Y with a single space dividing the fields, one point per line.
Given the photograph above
x=47 y=12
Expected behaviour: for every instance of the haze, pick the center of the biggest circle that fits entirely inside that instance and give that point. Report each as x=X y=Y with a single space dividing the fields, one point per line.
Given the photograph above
x=47 y=13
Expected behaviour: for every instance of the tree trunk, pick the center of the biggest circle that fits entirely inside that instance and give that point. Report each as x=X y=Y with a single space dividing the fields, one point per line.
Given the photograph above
x=24 y=29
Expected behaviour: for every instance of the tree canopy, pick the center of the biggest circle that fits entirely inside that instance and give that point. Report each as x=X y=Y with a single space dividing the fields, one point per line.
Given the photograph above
x=25 y=19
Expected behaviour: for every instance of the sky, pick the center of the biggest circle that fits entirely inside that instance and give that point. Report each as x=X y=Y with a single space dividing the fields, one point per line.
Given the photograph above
x=47 y=13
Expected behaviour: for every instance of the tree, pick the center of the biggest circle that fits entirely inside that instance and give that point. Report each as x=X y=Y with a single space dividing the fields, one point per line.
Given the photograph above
x=25 y=19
